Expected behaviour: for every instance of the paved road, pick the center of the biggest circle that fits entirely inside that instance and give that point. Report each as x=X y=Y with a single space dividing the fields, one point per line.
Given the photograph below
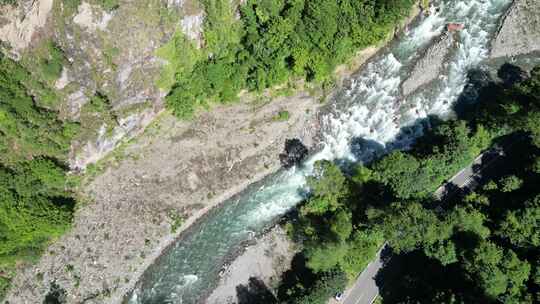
x=365 y=290
x=467 y=178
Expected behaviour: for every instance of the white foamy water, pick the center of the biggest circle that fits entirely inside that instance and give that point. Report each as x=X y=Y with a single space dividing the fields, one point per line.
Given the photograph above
x=369 y=118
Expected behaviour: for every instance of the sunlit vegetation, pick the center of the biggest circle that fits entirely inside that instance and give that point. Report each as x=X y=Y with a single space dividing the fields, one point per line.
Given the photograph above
x=51 y=65
x=109 y=5
x=4 y=2
x=475 y=247
x=281 y=116
x=35 y=202
x=273 y=41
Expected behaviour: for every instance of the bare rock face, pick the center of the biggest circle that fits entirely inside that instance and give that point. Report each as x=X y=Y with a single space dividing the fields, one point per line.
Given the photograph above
x=19 y=24
x=113 y=52
x=107 y=52
x=519 y=32
x=430 y=64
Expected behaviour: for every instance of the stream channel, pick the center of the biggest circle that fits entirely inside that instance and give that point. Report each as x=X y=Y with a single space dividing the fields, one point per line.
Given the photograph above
x=367 y=118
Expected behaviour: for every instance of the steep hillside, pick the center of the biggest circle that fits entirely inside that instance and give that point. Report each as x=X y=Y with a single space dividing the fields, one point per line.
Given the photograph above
x=105 y=65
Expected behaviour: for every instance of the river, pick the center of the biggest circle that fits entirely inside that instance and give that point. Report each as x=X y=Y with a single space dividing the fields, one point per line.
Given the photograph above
x=368 y=118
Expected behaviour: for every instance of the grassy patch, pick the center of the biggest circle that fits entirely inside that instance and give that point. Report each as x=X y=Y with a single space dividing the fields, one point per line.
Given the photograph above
x=181 y=55
x=4 y=285
x=94 y=114
x=51 y=63
x=109 y=5
x=71 y=6
x=177 y=220
x=109 y=54
x=281 y=116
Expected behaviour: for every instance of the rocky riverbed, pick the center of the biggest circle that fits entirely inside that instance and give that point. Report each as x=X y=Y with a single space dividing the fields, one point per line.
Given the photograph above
x=430 y=65
x=264 y=261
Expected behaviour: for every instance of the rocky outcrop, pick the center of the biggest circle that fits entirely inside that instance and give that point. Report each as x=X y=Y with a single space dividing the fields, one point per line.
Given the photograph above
x=110 y=52
x=19 y=24
x=295 y=152
x=429 y=65
x=519 y=32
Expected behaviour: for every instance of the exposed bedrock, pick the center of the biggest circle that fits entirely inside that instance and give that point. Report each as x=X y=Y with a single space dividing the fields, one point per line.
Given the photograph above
x=107 y=52
x=519 y=32
x=430 y=65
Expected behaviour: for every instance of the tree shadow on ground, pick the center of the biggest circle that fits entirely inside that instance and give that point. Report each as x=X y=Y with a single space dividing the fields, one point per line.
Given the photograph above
x=255 y=292
x=298 y=275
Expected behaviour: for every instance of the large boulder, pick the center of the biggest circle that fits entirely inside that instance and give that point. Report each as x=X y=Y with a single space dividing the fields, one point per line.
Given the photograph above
x=519 y=32
x=295 y=152
x=430 y=65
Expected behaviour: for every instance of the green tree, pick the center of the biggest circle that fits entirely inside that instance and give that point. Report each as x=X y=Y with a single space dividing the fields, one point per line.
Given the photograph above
x=326 y=286
x=522 y=227
x=536 y=165
x=323 y=257
x=363 y=247
x=398 y=170
x=442 y=250
x=532 y=124
x=498 y=272
x=408 y=226
x=468 y=219
x=510 y=183
x=329 y=189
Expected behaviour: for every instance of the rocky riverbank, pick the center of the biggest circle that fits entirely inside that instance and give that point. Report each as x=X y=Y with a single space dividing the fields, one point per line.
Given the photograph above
x=175 y=170
x=263 y=262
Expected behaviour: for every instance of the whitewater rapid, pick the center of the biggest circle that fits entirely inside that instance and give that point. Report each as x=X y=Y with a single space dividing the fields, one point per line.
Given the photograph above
x=369 y=118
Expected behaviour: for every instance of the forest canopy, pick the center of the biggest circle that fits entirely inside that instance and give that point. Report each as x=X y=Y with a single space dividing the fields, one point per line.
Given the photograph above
x=479 y=246
x=272 y=42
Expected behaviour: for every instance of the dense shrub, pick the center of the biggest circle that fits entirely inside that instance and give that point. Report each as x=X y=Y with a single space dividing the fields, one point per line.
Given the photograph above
x=26 y=129
x=326 y=286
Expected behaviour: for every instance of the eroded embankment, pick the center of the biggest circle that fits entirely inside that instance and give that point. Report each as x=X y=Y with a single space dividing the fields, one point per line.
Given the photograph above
x=175 y=168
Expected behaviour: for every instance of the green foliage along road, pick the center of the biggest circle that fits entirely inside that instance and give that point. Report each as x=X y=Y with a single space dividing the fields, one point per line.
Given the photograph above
x=35 y=204
x=272 y=42
x=482 y=247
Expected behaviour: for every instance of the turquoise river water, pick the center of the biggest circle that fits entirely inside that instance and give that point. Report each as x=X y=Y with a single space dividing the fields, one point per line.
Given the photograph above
x=370 y=109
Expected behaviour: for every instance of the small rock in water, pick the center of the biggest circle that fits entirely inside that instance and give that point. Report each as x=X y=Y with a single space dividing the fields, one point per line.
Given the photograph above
x=295 y=152
x=455 y=27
